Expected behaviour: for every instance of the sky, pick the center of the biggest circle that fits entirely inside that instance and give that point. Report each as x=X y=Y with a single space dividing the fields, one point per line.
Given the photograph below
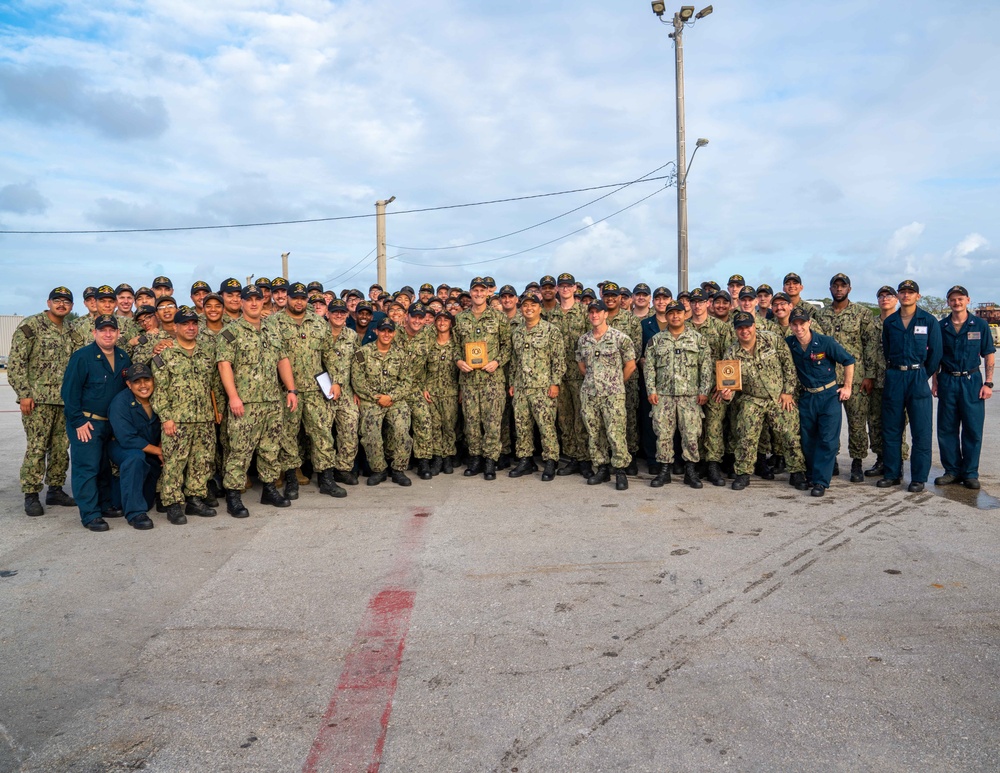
x=852 y=137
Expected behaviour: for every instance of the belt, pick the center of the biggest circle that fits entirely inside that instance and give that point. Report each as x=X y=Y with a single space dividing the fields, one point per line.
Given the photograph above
x=918 y=366
x=816 y=390
x=94 y=416
x=959 y=374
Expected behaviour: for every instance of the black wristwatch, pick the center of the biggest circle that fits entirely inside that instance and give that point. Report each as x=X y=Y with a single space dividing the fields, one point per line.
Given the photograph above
x=988 y=383
x=293 y=391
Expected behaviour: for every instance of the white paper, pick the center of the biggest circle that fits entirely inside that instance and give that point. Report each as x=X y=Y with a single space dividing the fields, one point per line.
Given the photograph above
x=325 y=384
x=920 y=329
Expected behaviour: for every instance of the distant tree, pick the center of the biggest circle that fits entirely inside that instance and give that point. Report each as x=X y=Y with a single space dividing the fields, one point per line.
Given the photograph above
x=71 y=316
x=932 y=303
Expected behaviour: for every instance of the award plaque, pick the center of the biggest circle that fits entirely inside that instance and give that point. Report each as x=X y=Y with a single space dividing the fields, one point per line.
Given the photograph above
x=727 y=375
x=475 y=354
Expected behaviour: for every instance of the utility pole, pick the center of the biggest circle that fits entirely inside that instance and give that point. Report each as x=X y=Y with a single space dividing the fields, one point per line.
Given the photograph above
x=681 y=18
x=284 y=264
x=380 y=236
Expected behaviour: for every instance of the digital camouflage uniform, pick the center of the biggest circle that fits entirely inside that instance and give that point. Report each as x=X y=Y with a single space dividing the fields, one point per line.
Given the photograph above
x=309 y=346
x=483 y=394
x=376 y=373
x=855 y=329
x=346 y=417
x=572 y=430
x=416 y=348
x=441 y=382
x=678 y=370
x=602 y=394
x=537 y=362
x=628 y=323
x=81 y=331
x=766 y=373
x=254 y=357
x=143 y=350
x=207 y=340
x=39 y=353
x=185 y=382
x=719 y=336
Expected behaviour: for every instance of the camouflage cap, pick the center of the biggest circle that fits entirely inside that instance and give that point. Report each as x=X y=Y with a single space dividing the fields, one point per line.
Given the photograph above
x=163 y=281
x=566 y=279
x=185 y=314
x=296 y=290
x=61 y=292
x=908 y=284
x=105 y=291
x=199 y=286
x=231 y=285
x=124 y=288
x=743 y=319
x=106 y=320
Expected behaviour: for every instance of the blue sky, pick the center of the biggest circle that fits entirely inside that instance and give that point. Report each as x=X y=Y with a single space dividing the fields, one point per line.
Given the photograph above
x=848 y=136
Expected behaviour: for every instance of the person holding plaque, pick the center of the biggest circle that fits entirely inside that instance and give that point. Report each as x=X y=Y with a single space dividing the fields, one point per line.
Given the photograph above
x=768 y=384
x=483 y=336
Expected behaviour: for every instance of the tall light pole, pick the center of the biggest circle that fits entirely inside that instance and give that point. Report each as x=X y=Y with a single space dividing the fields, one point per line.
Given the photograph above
x=380 y=236
x=681 y=18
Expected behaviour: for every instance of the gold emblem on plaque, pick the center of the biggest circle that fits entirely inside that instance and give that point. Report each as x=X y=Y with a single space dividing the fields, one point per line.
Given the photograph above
x=727 y=375
x=476 y=354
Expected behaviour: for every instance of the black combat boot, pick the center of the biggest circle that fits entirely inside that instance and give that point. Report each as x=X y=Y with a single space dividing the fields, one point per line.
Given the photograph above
x=196 y=506
x=474 y=467
x=377 y=477
x=489 y=470
x=234 y=503
x=761 y=469
x=399 y=478
x=32 y=506
x=291 y=487
x=798 y=480
x=857 y=474
x=777 y=464
x=621 y=479
x=549 y=471
x=740 y=482
x=877 y=469
x=436 y=465
x=271 y=496
x=447 y=465
x=714 y=475
x=691 y=475
x=662 y=477
x=632 y=468
x=677 y=467
x=523 y=467
x=601 y=475
x=328 y=486
x=503 y=462
x=347 y=478
x=176 y=515
x=836 y=469
x=424 y=469
x=56 y=496
x=572 y=467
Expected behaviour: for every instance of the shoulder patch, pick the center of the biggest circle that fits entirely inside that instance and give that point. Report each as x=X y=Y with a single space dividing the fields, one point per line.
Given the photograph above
x=158 y=361
x=143 y=339
x=229 y=335
x=27 y=330
x=359 y=356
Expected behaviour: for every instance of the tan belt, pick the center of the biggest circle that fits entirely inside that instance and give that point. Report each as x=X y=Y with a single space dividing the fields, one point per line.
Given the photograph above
x=94 y=416
x=816 y=390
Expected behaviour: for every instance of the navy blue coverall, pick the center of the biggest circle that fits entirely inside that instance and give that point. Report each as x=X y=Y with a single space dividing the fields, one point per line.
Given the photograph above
x=137 y=470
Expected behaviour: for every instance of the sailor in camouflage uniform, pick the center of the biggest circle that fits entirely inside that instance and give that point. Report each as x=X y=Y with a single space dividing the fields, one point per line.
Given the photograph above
x=415 y=339
x=627 y=323
x=484 y=388
x=679 y=376
x=380 y=376
x=441 y=392
x=346 y=419
x=251 y=358
x=537 y=367
x=853 y=327
x=186 y=376
x=310 y=350
x=151 y=343
x=571 y=319
x=39 y=352
x=606 y=358
x=769 y=381
x=105 y=303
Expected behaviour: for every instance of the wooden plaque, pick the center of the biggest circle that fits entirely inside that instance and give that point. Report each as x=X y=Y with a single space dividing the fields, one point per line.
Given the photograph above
x=727 y=375
x=476 y=354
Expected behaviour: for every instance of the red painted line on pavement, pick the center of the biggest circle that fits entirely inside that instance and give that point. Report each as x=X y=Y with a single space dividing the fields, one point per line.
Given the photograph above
x=352 y=736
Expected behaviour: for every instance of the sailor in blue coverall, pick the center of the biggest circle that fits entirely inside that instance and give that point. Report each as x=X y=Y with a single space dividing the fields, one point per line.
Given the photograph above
x=911 y=342
x=93 y=377
x=136 y=445
x=820 y=417
x=961 y=391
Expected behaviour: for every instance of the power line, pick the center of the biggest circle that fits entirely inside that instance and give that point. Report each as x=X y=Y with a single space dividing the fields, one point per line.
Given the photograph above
x=671 y=178
x=329 y=219
x=537 y=246
x=337 y=276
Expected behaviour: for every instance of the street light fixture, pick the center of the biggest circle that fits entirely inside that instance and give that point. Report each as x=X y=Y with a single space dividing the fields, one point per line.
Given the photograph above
x=680 y=20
